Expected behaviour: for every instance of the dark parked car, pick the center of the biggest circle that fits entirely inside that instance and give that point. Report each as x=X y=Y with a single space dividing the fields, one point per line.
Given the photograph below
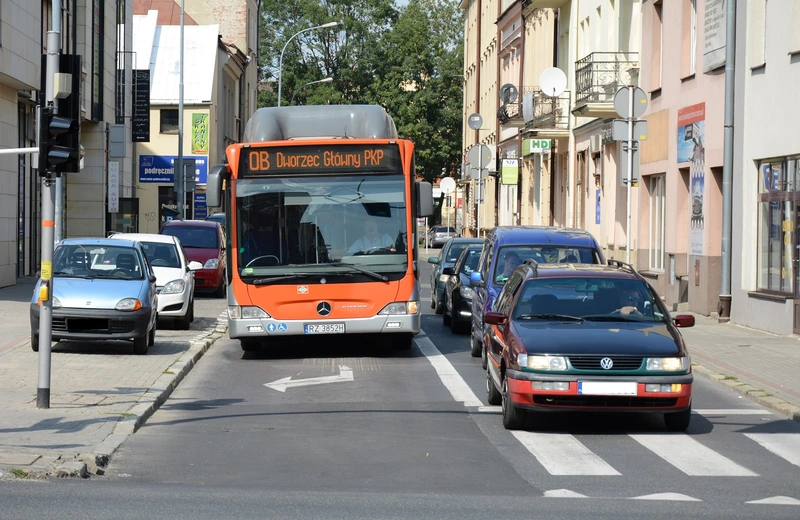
x=447 y=258
x=507 y=246
x=586 y=338
x=439 y=235
x=457 y=292
x=219 y=217
x=204 y=242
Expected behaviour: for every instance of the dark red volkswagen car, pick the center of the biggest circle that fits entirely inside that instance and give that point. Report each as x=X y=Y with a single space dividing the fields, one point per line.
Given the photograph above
x=204 y=242
x=586 y=338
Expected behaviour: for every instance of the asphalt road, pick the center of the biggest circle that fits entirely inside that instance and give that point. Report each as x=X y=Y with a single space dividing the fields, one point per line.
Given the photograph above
x=410 y=436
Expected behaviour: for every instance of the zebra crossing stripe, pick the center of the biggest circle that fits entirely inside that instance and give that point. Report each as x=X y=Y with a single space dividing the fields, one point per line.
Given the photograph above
x=690 y=456
x=784 y=445
x=563 y=454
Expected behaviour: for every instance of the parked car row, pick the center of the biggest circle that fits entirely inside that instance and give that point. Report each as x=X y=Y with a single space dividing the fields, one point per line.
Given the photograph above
x=559 y=328
x=122 y=286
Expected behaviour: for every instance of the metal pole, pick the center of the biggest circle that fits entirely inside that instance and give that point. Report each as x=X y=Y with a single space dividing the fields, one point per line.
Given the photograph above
x=630 y=175
x=53 y=67
x=178 y=167
x=479 y=195
x=724 y=308
x=48 y=224
x=280 y=61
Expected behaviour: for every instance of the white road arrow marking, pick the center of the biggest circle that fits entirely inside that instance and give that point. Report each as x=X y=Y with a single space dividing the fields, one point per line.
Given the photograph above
x=345 y=374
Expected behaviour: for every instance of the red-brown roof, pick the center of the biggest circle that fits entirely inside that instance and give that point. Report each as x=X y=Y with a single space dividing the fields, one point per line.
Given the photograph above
x=169 y=11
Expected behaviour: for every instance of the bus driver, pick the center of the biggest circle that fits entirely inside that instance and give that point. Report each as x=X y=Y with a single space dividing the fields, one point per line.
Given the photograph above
x=371 y=239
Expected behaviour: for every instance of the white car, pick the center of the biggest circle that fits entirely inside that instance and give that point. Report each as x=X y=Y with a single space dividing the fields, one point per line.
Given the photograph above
x=174 y=275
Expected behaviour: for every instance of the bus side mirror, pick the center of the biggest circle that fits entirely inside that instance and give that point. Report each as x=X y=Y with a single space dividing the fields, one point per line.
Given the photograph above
x=424 y=198
x=216 y=177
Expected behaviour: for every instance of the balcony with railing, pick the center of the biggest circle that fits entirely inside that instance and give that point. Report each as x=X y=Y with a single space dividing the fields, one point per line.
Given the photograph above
x=546 y=117
x=510 y=114
x=598 y=77
x=537 y=4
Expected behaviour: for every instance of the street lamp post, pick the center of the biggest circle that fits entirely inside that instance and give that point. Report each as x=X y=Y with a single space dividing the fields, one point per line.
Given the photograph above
x=326 y=80
x=280 y=61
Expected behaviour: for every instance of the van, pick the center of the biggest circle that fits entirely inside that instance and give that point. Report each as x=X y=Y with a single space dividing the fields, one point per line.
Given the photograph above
x=506 y=247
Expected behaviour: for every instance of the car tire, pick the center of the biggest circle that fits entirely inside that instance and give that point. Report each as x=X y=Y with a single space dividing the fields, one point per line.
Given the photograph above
x=475 y=347
x=250 y=344
x=484 y=358
x=446 y=320
x=219 y=292
x=186 y=321
x=678 y=421
x=403 y=341
x=140 y=345
x=151 y=337
x=35 y=342
x=439 y=307
x=513 y=417
x=493 y=395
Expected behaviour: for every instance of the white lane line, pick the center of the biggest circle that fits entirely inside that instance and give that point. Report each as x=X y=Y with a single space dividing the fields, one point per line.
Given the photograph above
x=451 y=379
x=668 y=496
x=732 y=411
x=690 y=456
x=563 y=493
x=784 y=445
x=563 y=454
x=779 y=500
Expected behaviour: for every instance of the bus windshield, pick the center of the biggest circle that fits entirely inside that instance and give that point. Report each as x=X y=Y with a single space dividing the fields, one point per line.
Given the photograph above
x=321 y=224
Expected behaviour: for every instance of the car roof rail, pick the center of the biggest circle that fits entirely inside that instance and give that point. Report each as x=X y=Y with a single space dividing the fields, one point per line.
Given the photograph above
x=619 y=264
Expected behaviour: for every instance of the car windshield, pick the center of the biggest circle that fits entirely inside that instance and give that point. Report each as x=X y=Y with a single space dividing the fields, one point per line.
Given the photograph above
x=454 y=252
x=90 y=261
x=197 y=237
x=510 y=257
x=593 y=299
x=322 y=224
x=161 y=255
x=470 y=263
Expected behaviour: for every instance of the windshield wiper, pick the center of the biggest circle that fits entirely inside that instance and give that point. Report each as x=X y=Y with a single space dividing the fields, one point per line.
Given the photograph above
x=563 y=317
x=272 y=279
x=616 y=317
x=367 y=272
x=71 y=275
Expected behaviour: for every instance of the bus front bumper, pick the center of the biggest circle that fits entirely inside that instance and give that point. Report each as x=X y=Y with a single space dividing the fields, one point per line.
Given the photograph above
x=261 y=327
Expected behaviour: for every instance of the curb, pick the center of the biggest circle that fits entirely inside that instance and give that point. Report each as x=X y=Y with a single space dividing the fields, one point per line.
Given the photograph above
x=84 y=465
x=766 y=400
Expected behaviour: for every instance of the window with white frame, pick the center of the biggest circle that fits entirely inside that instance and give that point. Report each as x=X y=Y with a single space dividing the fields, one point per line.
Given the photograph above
x=779 y=184
x=657 y=185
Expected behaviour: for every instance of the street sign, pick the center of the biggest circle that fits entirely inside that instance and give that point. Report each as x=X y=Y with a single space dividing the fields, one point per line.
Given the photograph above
x=447 y=185
x=479 y=156
x=623 y=164
x=619 y=130
x=622 y=101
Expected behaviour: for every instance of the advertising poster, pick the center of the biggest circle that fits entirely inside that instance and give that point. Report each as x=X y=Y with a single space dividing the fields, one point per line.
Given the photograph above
x=161 y=168
x=199 y=134
x=691 y=148
x=714 y=34
x=597 y=207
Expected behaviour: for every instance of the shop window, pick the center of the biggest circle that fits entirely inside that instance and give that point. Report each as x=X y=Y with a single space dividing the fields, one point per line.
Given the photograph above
x=656 y=185
x=169 y=121
x=778 y=181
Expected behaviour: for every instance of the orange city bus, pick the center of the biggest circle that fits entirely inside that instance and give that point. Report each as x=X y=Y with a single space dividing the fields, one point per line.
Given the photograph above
x=321 y=204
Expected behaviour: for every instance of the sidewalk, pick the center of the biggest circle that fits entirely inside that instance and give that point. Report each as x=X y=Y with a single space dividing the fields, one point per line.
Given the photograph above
x=98 y=395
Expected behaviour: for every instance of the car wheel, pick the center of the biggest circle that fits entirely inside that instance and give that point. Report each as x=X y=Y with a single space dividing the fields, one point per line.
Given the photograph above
x=250 y=344
x=439 y=308
x=513 y=417
x=151 y=337
x=35 y=342
x=220 y=291
x=186 y=321
x=446 y=319
x=140 y=345
x=678 y=421
x=484 y=358
x=475 y=347
x=402 y=341
x=492 y=394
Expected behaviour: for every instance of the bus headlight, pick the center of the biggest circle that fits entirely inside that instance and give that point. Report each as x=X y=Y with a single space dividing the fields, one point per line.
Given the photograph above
x=246 y=313
x=411 y=307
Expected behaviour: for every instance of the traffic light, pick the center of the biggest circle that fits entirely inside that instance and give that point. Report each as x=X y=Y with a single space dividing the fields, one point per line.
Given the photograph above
x=57 y=139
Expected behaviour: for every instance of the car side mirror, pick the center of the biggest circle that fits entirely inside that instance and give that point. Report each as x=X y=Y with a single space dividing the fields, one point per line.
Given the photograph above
x=449 y=271
x=475 y=279
x=152 y=278
x=194 y=265
x=684 y=320
x=433 y=260
x=494 y=318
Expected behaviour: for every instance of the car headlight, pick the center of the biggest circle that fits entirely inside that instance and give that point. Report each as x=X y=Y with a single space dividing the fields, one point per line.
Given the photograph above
x=550 y=363
x=174 y=287
x=668 y=364
x=400 y=308
x=211 y=263
x=466 y=292
x=129 y=304
x=56 y=303
x=246 y=313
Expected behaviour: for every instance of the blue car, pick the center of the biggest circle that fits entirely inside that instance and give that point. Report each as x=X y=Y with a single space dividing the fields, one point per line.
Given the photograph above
x=506 y=247
x=447 y=258
x=102 y=289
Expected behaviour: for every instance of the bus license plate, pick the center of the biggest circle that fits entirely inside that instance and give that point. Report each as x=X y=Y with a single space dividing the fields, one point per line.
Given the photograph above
x=324 y=328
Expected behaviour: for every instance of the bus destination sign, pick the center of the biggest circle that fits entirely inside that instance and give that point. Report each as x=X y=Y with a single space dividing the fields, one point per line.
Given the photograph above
x=316 y=159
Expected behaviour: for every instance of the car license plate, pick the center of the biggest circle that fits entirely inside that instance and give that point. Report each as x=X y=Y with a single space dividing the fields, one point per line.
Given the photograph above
x=324 y=328
x=607 y=388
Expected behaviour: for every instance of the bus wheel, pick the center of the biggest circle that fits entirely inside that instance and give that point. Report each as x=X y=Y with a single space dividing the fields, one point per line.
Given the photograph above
x=250 y=345
x=403 y=341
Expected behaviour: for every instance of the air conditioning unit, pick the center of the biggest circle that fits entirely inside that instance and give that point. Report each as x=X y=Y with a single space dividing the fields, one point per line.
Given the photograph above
x=595 y=143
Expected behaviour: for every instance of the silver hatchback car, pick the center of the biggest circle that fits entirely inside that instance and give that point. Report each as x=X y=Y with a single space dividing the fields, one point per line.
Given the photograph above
x=101 y=289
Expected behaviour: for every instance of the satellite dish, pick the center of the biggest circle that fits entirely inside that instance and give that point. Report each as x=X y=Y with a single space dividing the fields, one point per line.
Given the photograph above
x=553 y=81
x=508 y=93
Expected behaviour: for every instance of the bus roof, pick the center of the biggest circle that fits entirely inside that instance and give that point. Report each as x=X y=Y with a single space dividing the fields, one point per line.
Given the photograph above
x=319 y=121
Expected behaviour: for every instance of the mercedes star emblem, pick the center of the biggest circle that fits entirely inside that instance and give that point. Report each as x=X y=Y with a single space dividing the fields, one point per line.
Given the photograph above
x=323 y=308
x=606 y=363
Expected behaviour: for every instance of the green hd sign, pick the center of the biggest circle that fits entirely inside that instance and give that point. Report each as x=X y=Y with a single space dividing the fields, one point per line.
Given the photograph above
x=530 y=146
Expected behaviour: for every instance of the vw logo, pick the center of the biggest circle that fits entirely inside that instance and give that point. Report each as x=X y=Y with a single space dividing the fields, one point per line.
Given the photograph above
x=323 y=308
x=606 y=363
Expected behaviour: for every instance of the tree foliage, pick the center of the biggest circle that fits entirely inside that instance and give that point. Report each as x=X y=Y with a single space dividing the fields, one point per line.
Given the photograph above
x=407 y=59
